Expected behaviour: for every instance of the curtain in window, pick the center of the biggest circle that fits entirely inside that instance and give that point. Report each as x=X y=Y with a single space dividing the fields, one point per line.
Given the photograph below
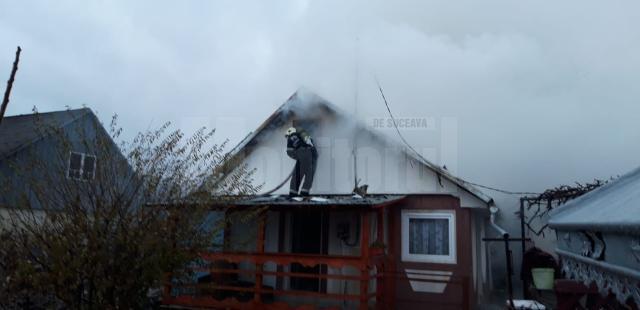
x=429 y=236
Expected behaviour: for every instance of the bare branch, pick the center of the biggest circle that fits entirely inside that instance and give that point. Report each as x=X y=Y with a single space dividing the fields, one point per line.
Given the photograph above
x=7 y=91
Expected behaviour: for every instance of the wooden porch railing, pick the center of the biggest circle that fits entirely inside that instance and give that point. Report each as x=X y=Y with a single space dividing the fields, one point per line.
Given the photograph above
x=201 y=294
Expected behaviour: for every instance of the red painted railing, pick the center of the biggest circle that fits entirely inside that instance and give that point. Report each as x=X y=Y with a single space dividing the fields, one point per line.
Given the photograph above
x=201 y=295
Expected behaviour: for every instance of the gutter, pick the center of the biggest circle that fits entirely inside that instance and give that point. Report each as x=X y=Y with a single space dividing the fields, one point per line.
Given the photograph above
x=505 y=237
x=495 y=226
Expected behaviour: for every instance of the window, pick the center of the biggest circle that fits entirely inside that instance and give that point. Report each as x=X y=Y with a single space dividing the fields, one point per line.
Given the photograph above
x=81 y=166
x=428 y=236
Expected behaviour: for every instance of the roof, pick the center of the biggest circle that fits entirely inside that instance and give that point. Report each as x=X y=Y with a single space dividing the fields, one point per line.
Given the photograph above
x=20 y=131
x=612 y=207
x=322 y=200
x=306 y=102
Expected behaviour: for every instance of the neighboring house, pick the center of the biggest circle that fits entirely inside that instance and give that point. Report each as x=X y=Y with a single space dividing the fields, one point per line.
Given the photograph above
x=599 y=238
x=56 y=145
x=413 y=241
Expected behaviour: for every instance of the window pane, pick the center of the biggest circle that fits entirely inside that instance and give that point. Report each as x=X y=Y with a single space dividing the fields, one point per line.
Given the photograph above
x=88 y=167
x=75 y=174
x=76 y=160
x=429 y=236
x=74 y=165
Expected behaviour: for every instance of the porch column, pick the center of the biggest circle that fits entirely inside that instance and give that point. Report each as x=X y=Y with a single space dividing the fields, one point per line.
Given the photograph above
x=380 y=261
x=364 y=265
x=380 y=225
x=226 y=236
x=393 y=227
x=257 y=297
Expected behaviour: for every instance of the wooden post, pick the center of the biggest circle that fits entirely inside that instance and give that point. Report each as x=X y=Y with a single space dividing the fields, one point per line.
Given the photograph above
x=257 y=297
x=365 y=229
x=380 y=264
x=281 y=249
x=380 y=226
x=364 y=253
x=390 y=260
x=226 y=238
x=466 y=304
x=7 y=91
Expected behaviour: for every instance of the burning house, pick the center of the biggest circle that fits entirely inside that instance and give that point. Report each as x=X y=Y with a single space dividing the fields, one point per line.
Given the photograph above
x=382 y=227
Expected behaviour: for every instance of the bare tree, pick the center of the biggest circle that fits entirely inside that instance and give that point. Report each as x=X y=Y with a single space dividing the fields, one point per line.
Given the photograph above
x=98 y=224
x=550 y=199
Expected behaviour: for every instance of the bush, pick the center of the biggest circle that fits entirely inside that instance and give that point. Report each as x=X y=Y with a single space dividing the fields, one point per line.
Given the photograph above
x=107 y=241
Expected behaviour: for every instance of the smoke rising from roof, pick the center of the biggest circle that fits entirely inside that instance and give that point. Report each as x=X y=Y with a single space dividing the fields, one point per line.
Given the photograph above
x=539 y=94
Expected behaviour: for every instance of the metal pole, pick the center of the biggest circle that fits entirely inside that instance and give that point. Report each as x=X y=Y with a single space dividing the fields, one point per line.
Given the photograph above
x=505 y=237
x=525 y=292
x=509 y=269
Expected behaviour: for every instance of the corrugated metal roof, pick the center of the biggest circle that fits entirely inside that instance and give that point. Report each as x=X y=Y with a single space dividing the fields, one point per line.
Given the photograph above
x=612 y=207
x=19 y=131
x=323 y=200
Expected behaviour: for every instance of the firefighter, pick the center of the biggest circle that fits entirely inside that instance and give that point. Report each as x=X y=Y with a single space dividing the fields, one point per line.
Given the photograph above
x=301 y=148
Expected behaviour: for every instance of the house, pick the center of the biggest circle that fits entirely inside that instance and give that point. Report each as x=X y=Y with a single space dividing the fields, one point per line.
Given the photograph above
x=40 y=149
x=599 y=238
x=414 y=239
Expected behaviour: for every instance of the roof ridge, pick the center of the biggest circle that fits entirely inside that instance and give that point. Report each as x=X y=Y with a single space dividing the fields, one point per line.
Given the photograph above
x=40 y=137
x=44 y=113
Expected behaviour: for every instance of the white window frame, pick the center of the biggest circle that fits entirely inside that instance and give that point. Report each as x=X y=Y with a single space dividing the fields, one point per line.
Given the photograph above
x=450 y=215
x=82 y=157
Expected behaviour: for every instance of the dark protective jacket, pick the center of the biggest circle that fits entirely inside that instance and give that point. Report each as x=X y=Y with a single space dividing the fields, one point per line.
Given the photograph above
x=297 y=140
x=301 y=148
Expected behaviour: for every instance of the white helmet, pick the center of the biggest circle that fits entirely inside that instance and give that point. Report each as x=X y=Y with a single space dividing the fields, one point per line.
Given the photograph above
x=290 y=131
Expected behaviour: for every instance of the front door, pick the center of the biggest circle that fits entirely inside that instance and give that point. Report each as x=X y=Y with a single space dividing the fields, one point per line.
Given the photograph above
x=309 y=233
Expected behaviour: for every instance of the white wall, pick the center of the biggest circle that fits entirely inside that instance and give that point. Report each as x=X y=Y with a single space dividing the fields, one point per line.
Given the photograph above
x=241 y=234
x=384 y=167
x=338 y=247
x=271 y=245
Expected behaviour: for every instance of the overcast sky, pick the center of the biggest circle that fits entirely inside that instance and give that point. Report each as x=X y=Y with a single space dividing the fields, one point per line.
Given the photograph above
x=542 y=92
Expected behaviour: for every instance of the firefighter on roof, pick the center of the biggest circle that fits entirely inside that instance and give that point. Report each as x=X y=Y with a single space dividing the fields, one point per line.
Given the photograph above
x=301 y=148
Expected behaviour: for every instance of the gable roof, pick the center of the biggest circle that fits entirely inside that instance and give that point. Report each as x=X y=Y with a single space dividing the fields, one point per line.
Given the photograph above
x=613 y=207
x=20 y=131
x=304 y=103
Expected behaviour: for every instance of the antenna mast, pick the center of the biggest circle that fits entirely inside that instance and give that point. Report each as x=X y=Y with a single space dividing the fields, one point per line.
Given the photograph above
x=354 y=151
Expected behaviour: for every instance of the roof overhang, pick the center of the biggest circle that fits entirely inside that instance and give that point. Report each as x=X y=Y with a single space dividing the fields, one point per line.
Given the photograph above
x=342 y=202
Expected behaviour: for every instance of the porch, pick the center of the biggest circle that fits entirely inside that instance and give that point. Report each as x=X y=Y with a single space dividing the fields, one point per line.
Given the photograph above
x=305 y=271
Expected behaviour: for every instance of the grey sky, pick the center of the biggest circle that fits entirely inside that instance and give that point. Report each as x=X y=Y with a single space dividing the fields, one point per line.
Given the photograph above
x=544 y=93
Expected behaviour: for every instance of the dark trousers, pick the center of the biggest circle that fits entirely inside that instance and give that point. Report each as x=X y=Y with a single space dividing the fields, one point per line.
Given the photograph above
x=306 y=160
